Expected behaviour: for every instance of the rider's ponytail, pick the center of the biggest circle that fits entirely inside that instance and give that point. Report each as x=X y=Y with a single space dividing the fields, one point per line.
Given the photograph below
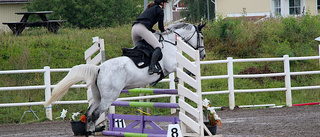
x=150 y=5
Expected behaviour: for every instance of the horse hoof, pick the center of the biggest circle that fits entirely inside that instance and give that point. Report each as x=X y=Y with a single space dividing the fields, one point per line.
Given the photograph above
x=90 y=134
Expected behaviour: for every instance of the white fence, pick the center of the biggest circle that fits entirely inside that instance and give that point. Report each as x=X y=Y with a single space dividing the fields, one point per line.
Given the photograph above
x=230 y=76
x=287 y=74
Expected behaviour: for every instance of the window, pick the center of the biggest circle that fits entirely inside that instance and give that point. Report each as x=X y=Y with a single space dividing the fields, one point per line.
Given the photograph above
x=318 y=6
x=277 y=7
x=295 y=7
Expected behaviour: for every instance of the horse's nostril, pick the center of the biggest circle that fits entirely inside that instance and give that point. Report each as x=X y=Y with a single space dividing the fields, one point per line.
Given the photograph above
x=204 y=56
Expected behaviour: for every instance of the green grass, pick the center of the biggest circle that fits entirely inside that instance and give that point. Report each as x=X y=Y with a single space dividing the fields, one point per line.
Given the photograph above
x=37 y=47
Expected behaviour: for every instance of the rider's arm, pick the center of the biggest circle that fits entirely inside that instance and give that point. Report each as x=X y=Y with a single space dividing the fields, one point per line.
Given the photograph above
x=160 y=20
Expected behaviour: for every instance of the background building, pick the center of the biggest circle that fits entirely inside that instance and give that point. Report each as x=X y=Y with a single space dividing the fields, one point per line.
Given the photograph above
x=8 y=8
x=237 y=8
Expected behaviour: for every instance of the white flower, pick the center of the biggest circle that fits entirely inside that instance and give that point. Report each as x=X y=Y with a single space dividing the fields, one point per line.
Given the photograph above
x=205 y=102
x=63 y=113
x=216 y=117
x=212 y=111
x=74 y=115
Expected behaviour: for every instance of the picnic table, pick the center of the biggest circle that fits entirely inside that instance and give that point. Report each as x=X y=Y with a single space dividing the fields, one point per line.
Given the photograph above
x=18 y=27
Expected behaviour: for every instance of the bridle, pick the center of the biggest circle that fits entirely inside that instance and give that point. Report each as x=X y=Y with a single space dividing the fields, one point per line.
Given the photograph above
x=186 y=40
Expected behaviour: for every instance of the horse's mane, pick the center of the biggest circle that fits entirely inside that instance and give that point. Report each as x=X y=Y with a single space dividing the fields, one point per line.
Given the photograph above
x=182 y=25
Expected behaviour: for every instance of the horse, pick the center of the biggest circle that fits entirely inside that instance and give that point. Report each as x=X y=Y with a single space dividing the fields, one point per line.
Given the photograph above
x=109 y=78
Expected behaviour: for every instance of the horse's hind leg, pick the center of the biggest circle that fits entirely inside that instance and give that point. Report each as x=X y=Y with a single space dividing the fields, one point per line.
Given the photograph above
x=90 y=118
x=89 y=114
x=107 y=98
x=110 y=82
x=102 y=107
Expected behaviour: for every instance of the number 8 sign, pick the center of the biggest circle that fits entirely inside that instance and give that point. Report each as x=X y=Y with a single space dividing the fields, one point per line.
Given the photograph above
x=174 y=130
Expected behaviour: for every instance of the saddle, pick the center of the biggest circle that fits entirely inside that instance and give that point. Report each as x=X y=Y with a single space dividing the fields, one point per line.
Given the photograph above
x=141 y=56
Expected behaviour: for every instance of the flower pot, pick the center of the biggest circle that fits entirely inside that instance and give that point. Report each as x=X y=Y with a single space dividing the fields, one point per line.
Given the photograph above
x=78 y=128
x=212 y=129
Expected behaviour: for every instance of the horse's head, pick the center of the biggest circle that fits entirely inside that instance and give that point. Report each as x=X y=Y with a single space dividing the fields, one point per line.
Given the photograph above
x=192 y=35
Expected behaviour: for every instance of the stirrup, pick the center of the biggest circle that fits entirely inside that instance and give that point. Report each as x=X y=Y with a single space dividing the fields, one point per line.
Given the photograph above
x=153 y=70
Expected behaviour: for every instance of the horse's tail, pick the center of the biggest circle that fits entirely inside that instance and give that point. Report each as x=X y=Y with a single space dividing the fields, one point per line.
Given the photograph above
x=84 y=72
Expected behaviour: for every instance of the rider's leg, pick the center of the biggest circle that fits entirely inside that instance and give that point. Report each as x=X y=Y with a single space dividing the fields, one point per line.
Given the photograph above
x=140 y=31
x=135 y=35
x=156 y=56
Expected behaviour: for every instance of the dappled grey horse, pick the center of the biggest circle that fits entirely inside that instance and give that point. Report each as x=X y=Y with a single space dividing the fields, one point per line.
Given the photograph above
x=113 y=75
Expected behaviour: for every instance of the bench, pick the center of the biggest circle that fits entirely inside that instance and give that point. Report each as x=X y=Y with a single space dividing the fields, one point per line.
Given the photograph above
x=18 y=27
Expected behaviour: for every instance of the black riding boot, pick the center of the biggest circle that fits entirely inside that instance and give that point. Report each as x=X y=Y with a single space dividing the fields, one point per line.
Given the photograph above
x=156 y=56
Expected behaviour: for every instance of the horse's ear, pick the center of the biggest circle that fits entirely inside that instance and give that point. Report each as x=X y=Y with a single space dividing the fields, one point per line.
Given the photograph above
x=201 y=26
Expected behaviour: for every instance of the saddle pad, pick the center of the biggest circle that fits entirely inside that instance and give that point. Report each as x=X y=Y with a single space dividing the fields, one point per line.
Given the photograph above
x=140 y=54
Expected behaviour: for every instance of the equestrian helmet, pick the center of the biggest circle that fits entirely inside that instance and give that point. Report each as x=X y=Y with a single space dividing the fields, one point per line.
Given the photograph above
x=159 y=1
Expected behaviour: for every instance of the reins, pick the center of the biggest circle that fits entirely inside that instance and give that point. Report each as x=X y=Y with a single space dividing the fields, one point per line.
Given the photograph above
x=161 y=39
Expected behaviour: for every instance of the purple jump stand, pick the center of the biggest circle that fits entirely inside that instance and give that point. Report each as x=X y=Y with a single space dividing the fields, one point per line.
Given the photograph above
x=127 y=134
x=140 y=122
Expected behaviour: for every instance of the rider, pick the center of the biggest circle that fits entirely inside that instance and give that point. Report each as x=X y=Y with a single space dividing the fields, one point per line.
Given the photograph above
x=142 y=29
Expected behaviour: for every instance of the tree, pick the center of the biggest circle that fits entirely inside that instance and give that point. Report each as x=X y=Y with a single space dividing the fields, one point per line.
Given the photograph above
x=90 y=13
x=197 y=9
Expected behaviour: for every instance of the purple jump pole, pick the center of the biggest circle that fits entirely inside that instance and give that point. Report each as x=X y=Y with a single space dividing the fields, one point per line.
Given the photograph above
x=149 y=91
x=145 y=104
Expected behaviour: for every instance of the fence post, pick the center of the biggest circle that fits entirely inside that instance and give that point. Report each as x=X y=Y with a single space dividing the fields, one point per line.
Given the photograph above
x=47 y=83
x=173 y=97
x=287 y=80
x=231 y=83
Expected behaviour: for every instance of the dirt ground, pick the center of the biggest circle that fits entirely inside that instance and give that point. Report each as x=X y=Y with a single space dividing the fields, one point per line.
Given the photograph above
x=293 y=121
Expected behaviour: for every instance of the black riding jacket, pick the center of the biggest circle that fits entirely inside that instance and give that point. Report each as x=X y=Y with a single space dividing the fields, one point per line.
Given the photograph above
x=150 y=17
